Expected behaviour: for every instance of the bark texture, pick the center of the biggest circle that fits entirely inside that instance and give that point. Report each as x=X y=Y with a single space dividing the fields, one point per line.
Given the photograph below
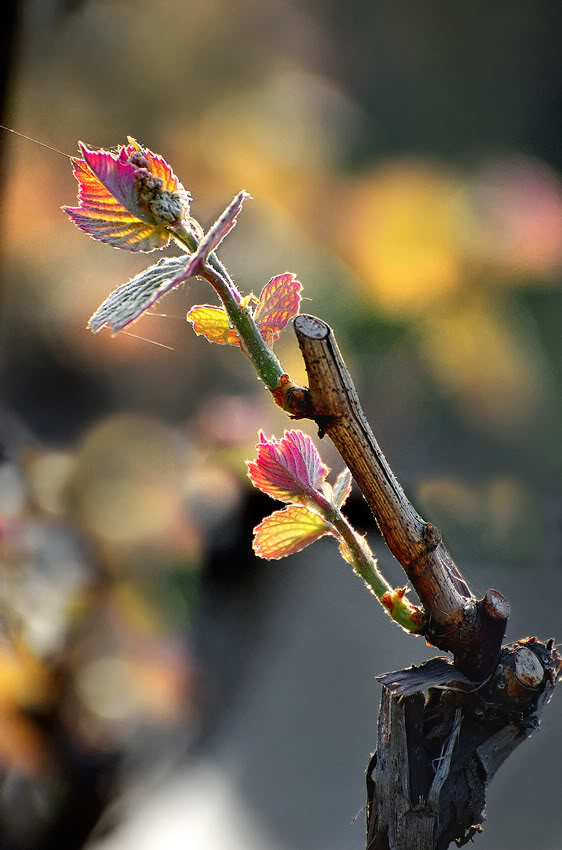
x=441 y=740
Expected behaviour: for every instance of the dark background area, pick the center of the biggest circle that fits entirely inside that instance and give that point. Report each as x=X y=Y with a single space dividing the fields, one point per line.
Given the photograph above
x=158 y=683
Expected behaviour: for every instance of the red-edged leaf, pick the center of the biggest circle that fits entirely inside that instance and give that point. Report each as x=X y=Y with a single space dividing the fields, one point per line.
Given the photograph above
x=278 y=303
x=127 y=199
x=289 y=469
x=103 y=218
x=288 y=531
x=222 y=226
x=342 y=487
x=212 y=323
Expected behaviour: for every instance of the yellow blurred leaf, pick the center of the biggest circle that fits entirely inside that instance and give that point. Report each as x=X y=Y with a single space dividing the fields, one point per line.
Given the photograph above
x=486 y=362
x=401 y=231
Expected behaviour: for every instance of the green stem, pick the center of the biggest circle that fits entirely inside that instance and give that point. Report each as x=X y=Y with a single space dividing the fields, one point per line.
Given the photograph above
x=221 y=270
x=364 y=564
x=265 y=362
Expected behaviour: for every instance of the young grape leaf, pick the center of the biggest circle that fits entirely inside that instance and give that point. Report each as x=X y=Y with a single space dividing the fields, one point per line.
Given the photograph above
x=289 y=469
x=131 y=299
x=212 y=323
x=288 y=531
x=122 y=197
x=222 y=226
x=342 y=487
x=279 y=302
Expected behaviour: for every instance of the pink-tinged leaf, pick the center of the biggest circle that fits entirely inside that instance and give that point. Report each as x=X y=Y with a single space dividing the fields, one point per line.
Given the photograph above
x=127 y=199
x=212 y=323
x=131 y=299
x=288 y=531
x=222 y=226
x=289 y=469
x=103 y=218
x=278 y=303
x=342 y=487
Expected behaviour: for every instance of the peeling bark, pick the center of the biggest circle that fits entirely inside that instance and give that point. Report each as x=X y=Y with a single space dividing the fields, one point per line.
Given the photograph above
x=436 y=754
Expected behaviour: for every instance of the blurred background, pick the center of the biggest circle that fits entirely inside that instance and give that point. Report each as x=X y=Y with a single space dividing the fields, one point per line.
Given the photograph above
x=159 y=686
